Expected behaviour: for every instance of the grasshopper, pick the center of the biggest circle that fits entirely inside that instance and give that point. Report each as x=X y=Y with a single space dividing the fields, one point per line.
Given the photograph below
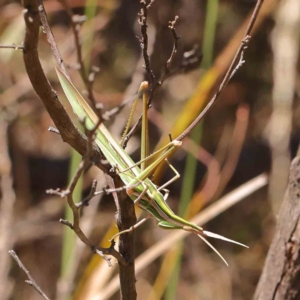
x=139 y=187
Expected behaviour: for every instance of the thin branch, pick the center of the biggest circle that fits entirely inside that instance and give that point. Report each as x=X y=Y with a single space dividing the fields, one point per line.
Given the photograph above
x=66 y=281
x=175 y=45
x=203 y=156
x=75 y=207
x=76 y=22
x=142 y=19
x=47 y=30
x=241 y=60
x=229 y=72
x=91 y=195
x=42 y=87
x=15 y=47
x=126 y=214
x=191 y=59
x=31 y=281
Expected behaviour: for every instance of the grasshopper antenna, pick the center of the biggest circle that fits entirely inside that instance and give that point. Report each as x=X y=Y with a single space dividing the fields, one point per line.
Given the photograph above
x=220 y=237
x=213 y=248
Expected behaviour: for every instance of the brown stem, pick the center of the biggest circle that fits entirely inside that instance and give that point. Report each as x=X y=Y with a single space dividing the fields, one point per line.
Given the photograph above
x=125 y=219
x=69 y=133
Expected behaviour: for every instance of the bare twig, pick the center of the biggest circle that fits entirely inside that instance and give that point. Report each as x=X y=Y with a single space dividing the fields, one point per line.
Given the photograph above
x=86 y=201
x=137 y=78
x=191 y=59
x=15 y=47
x=22 y=86
x=142 y=19
x=47 y=30
x=203 y=156
x=230 y=71
x=75 y=225
x=143 y=14
x=76 y=22
x=42 y=87
x=175 y=45
x=126 y=215
x=31 y=281
x=241 y=61
x=66 y=281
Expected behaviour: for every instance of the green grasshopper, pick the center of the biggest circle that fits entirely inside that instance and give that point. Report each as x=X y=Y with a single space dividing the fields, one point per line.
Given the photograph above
x=138 y=186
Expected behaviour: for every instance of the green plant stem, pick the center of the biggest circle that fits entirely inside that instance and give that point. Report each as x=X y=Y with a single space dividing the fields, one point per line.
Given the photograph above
x=90 y=13
x=69 y=237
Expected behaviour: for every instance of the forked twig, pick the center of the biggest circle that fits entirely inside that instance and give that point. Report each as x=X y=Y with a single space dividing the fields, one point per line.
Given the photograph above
x=144 y=39
x=62 y=121
x=154 y=84
x=75 y=207
x=68 y=131
x=175 y=45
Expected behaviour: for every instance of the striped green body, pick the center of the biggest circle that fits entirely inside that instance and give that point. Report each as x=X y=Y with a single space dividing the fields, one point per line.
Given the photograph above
x=153 y=200
x=138 y=186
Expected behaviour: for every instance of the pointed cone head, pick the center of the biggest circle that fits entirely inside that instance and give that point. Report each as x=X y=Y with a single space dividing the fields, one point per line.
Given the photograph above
x=220 y=237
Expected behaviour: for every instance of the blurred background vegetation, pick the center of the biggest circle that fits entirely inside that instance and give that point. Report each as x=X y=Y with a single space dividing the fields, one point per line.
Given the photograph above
x=234 y=139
